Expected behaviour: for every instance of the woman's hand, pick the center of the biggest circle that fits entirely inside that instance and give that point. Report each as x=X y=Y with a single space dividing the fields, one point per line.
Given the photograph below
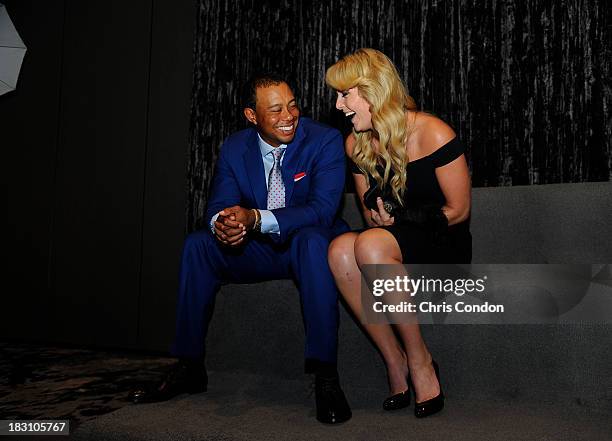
x=381 y=217
x=373 y=218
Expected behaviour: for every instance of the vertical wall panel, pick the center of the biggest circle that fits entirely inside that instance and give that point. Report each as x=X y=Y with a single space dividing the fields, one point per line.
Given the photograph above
x=99 y=194
x=164 y=191
x=28 y=137
x=95 y=142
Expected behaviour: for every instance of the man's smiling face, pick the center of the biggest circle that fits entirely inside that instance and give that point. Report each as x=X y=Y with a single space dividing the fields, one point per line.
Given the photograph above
x=276 y=114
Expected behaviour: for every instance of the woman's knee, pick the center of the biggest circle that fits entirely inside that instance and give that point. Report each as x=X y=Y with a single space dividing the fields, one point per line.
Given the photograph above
x=377 y=246
x=341 y=252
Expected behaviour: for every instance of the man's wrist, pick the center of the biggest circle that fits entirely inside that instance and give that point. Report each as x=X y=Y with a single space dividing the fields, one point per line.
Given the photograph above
x=257 y=223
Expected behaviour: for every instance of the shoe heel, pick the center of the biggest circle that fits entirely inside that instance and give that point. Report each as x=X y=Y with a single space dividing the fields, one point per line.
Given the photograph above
x=433 y=405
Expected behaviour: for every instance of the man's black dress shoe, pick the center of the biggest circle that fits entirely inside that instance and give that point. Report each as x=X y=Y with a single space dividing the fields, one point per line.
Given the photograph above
x=332 y=407
x=184 y=377
x=433 y=405
x=398 y=401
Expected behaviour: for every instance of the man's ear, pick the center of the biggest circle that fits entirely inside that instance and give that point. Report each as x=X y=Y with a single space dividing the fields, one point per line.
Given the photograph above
x=250 y=115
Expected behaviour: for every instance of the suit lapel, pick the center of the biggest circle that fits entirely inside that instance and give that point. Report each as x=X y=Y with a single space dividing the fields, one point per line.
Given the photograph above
x=291 y=161
x=255 y=172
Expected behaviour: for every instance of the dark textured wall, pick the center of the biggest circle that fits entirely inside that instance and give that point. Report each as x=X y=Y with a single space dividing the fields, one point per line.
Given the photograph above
x=526 y=84
x=94 y=156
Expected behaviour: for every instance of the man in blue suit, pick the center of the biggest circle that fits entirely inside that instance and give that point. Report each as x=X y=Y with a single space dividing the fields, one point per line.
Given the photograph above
x=273 y=211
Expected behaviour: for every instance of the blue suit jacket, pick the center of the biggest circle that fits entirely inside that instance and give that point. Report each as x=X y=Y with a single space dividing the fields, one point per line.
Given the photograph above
x=316 y=150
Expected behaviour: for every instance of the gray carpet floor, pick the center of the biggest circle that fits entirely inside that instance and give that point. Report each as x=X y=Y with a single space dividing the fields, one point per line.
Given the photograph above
x=253 y=407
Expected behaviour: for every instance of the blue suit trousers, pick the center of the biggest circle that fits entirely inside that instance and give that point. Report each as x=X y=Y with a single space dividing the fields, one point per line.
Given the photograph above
x=206 y=265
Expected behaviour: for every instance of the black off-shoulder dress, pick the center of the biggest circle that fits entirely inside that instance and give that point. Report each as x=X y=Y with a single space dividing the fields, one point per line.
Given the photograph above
x=420 y=244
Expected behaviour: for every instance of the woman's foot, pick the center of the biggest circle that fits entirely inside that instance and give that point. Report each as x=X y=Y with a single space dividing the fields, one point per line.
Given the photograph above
x=424 y=380
x=433 y=405
x=397 y=373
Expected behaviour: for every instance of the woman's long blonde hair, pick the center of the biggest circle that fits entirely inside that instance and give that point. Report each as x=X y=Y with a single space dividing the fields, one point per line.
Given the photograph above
x=379 y=83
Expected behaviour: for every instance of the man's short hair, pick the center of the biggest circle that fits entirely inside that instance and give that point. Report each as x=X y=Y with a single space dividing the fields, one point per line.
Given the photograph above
x=261 y=79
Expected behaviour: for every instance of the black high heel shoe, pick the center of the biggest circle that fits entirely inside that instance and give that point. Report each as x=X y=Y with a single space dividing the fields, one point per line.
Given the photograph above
x=398 y=401
x=433 y=405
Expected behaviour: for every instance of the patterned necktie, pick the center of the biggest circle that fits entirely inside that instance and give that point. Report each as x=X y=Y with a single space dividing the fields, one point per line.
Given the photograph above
x=276 y=187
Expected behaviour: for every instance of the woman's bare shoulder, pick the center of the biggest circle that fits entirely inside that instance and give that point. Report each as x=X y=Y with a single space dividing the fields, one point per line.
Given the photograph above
x=431 y=133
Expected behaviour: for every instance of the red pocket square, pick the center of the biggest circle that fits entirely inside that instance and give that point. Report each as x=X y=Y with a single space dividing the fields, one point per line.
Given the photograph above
x=299 y=176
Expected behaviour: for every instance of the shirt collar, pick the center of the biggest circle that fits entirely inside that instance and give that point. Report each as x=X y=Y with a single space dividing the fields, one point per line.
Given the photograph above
x=266 y=148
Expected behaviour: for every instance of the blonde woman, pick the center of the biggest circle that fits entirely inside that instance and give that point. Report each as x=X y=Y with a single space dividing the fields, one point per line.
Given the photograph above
x=414 y=186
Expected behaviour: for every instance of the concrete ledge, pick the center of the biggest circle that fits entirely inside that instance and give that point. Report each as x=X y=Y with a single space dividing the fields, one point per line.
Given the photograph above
x=566 y=223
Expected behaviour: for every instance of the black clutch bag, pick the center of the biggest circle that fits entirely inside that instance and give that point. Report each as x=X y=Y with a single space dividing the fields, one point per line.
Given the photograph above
x=429 y=216
x=374 y=192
